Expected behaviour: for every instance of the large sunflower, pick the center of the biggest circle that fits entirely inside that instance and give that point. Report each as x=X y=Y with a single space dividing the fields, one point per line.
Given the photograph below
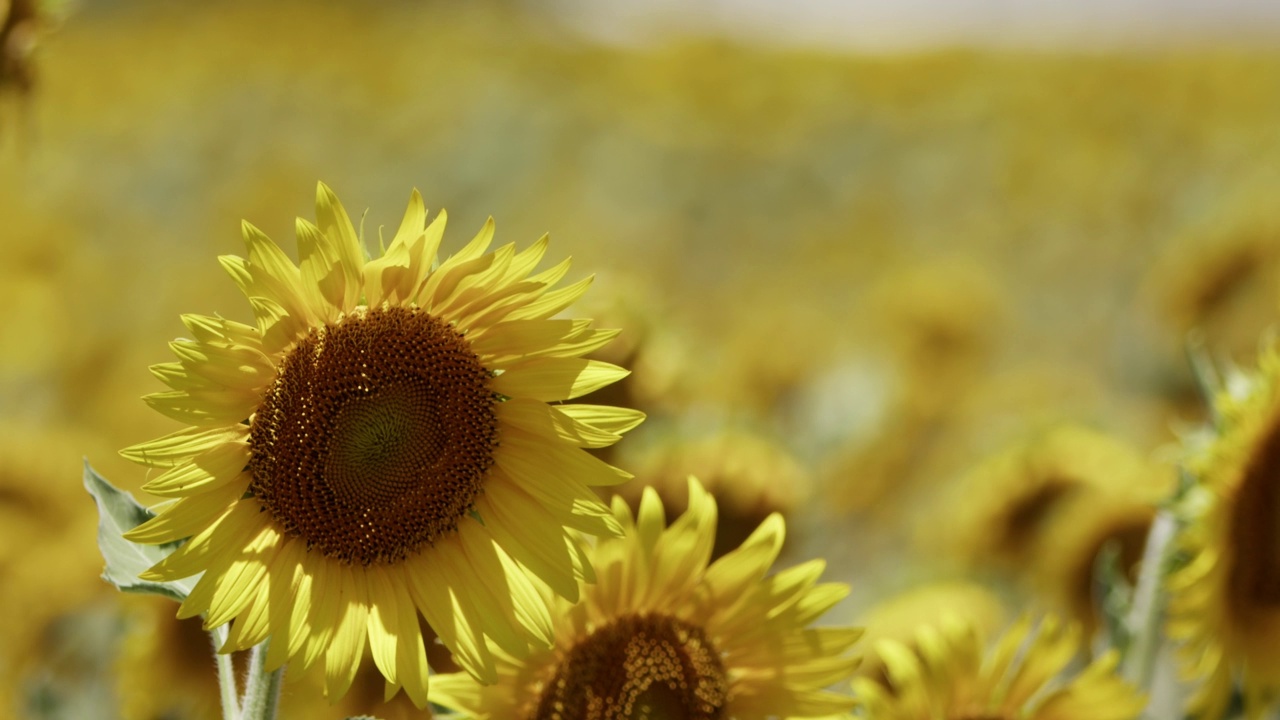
x=947 y=676
x=379 y=445
x=1225 y=600
x=664 y=635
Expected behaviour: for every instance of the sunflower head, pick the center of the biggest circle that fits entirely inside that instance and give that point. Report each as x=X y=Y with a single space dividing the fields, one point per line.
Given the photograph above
x=666 y=633
x=388 y=439
x=948 y=674
x=1007 y=504
x=1224 y=601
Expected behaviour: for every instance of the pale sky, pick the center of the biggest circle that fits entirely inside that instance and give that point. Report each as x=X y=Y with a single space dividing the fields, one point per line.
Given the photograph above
x=913 y=24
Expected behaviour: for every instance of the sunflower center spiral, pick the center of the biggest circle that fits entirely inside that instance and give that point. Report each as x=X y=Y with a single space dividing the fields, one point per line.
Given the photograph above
x=638 y=667
x=375 y=437
x=1255 y=534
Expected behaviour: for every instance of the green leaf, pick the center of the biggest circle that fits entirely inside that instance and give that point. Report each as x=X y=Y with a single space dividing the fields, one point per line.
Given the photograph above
x=118 y=513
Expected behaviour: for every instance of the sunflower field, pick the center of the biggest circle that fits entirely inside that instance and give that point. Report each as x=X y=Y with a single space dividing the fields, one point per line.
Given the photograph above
x=412 y=359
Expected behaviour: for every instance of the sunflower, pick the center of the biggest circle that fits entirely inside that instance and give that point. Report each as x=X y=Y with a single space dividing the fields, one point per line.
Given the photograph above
x=381 y=444
x=1006 y=505
x=663 y=634
x=750 y=475
x=46 y=583
x=901 y=616
x=1224 y=600
x=162 y=669
x=1065 y=556
x=947 y=677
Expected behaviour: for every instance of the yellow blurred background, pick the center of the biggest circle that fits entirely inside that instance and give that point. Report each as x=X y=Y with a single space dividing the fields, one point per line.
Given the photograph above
x=904 y=298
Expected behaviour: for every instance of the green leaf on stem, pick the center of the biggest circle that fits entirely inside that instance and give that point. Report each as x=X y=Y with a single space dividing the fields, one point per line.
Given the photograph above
x=118 y=513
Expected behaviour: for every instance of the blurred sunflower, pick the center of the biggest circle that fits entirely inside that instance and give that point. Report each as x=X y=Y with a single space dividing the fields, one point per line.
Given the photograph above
x=948 y=677
x=1224 y=603
x=750 y=476
x=163 y=667
x=1220 y=277
x=379 y=445
x=1066 y=554
x=20 y=22
x=901 y=617
x=47 y=581
x=1006 y=504
x=664 y=635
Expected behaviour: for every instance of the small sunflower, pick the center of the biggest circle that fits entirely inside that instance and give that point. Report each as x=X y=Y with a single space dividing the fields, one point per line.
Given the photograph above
x=1065 y=556
x=947 y=677
x=19 y=23
x=1005 y=505
x=1224 y=601
x=380 y=444
x=901 y=616
x=662 y=634
x=750 y=476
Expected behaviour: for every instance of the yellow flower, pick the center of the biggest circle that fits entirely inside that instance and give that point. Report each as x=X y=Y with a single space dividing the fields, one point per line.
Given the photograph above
x=750 y=476
x=1064 y=559
x=380 y=444
x=1224 y=602
x=664 y=634
x=20 y=22
x=948 y=677
x=900 y=617
x=48 y=581
x=164 y=667
x=1005 y=505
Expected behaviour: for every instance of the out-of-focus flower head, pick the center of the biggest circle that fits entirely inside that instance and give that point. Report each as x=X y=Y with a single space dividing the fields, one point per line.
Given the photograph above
x=1224 y=604
x=750 y=475
x=1003 y=507
x=900 y=617
x=951 y=673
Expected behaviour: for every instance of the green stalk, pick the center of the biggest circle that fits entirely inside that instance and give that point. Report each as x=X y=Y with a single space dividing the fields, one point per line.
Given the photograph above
x=226 y=675
x=261 y=688
x=1148 y=602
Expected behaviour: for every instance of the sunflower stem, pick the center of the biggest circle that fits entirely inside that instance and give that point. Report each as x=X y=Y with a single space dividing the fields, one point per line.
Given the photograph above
x=226 y=675
x=1148 y=607
x=261 y=688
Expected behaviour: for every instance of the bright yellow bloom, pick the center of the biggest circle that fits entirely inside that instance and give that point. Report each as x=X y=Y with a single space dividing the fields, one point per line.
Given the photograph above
x=948 y=677
x=380 y=445
x=1225 y=600
x=662 y=634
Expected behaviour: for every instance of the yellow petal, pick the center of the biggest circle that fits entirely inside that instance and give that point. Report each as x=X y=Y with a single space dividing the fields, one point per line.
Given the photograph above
x=333 y=222
x=551 y=423
x=552 y=379
x=607 y=418
x=179 y=447
x=347 y=647
x=533 y=540
x=185 y=517
x=528 y=460
x=203 y=408
x=324 y=281
x=222 y=465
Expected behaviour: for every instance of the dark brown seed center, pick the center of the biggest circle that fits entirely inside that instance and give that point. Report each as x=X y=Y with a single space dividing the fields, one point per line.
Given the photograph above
x=375 y=437
x=1255 y=533
x=638 y=667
